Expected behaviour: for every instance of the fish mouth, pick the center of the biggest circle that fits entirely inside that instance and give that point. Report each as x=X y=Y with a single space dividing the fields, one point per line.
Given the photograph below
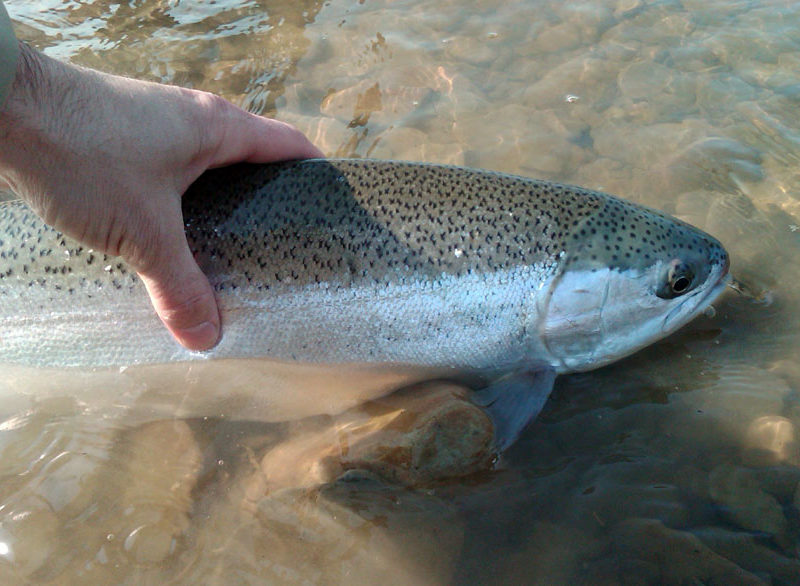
x=672 y=321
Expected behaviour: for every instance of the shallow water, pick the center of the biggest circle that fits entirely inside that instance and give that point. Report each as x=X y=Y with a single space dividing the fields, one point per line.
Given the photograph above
x=678 y=465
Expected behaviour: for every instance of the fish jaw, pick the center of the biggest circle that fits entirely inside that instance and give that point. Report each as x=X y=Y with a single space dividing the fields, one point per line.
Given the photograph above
x=596 y=318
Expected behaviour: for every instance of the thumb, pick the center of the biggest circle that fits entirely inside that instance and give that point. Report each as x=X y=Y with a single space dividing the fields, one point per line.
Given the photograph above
x=182 y=295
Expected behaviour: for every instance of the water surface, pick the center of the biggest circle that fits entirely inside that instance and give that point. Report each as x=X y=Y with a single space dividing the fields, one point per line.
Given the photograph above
x=678 y=465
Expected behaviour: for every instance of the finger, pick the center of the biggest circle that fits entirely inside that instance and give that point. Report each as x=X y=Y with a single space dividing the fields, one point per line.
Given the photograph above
x=245 y=137
x=273 y=140
x=183 y=297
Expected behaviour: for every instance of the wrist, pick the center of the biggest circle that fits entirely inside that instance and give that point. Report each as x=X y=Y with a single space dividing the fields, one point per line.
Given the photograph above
x=9 y=51
x=25 y=88
x=19 y=120
x=30 y=138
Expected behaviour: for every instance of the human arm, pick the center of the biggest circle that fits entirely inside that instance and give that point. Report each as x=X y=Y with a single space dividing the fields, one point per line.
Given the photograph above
x=105 y=159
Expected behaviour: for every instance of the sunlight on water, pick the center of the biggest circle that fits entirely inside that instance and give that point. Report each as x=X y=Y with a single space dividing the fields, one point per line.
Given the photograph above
x=678 y=465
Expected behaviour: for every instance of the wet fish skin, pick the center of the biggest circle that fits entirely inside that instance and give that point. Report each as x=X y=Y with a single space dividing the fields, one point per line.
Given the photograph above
x=363 y=262
x=334 y=234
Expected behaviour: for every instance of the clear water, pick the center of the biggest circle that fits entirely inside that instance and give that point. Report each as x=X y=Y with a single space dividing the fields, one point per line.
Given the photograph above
x=678 y=465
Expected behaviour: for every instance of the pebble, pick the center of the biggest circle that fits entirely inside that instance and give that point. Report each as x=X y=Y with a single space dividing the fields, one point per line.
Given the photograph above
x=613 y=494
x=469 y=49
x=410 y=144
x=558 y=38
x=742 y=500
x=654 y=25
x=548 y=147
x=643 y=80
x=583 y=76
x=356 y=530
x=623 y=7
x=381 y=106
x=669 y=556
x=691 y=58
x=557 y=551
x=28 y=537
x=750 y=552
x=714 y=163
x=151 y=511
x=645 y=146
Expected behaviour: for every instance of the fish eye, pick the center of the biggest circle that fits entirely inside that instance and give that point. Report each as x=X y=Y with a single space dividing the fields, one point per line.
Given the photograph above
x=680 y=284
x=679 y=280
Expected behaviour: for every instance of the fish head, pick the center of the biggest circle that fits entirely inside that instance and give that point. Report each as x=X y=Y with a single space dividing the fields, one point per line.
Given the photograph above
x=629 y=276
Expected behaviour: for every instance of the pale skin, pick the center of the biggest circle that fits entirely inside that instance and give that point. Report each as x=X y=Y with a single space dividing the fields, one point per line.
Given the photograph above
x=106 y=159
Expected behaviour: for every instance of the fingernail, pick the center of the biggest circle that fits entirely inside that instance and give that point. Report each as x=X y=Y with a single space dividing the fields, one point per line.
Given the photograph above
x=200 y=337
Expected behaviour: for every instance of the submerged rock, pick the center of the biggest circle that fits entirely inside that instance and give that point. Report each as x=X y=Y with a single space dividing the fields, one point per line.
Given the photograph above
x=744 y=502
x=356 y=530
x=418 y=436
x=655 y=554
x=152 y=472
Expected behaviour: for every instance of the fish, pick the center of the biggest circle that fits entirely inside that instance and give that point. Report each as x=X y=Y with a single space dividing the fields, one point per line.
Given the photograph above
x=340 y=280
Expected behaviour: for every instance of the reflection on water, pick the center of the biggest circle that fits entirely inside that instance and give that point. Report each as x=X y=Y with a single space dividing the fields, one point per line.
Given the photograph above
x=241 y=50
x=678 y=465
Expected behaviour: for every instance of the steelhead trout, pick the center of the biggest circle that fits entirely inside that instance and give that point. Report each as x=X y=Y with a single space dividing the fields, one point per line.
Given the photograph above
x=375 y=274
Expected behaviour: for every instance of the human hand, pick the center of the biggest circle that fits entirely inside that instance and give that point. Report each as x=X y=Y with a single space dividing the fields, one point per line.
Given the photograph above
x=106 y=159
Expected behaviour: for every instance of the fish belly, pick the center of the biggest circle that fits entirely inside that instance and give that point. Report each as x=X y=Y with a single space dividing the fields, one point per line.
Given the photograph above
x=284 y=355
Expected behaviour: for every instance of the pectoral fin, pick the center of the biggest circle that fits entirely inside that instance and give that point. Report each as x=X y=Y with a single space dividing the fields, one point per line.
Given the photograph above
x=513 y=401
